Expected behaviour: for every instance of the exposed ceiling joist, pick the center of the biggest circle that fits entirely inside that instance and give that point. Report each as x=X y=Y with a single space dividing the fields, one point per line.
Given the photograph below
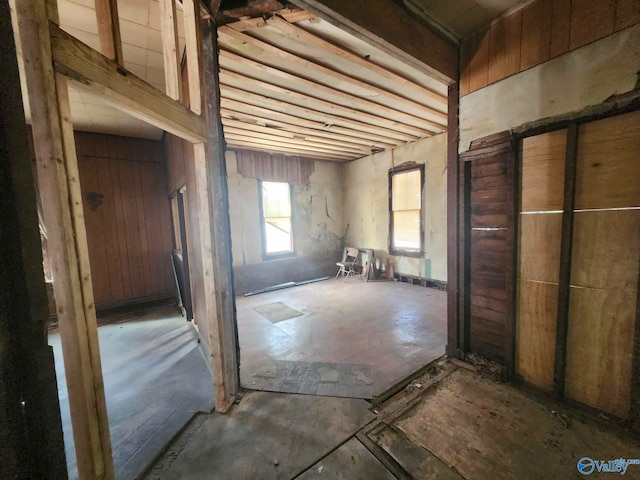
x=263 y=146
x=232 y=62
x=254 y=148
x=328 y=119
x=299 y=34
x=254 y=48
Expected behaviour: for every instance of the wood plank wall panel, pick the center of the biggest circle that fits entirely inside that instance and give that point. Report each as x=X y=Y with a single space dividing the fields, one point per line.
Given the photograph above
x=128 y=229
x=505 y=38
x=591 y=20
x=602 y=309
x=536 y=34
x=542 y=190
x=491 y=248
x=541 y=30
x=608 y=174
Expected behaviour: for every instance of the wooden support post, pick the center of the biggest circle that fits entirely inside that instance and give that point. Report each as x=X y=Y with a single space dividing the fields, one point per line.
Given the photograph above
x=566 y=243
x=59 y=188
x=216 y=175
x=170 y=51
x=31 y=440
x=453 y=243
x=109 y=30
x=192 y=46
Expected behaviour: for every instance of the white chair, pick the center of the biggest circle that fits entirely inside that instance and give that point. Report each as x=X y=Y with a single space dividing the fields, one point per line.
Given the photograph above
x=348 y=263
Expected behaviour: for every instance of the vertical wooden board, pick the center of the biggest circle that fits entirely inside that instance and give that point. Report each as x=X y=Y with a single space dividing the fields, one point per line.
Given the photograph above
x=150 y=189
x=94 y=224
x=606 y=249
x=591 y=20
x=536 y=33
x=504 y=47
x=164 y=217
x=540 y=247
x=560 y=27
x=608 y=174
x=536 y=340
x=600 y=348
x=543 y=159
x=627 y=13
x=479 y=62
x=149 y=273
x=119 y=228
x=466 y=53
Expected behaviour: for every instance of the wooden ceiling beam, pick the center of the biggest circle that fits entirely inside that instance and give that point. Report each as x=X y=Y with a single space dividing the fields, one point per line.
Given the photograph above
x=250 y=113
x=254 y=48
x=126 y=92
x=284 y=149
x=280 y=132
x=247 y=131
x=252 y=148
x=299 y=34
x=279 y=144
x=276 y=92
x=241 y=113
x=304 y=112
x=294 y=82
x=388 y=26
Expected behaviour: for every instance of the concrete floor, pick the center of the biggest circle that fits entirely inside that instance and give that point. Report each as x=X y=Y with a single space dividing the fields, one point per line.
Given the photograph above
x=155 y=381
x=395 y=328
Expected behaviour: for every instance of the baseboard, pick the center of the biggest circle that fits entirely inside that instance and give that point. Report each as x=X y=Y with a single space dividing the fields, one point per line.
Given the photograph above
x=425 y=282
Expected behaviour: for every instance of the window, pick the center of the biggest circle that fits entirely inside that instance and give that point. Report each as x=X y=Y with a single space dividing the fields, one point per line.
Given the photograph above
x=276 y=218
x=405 y=205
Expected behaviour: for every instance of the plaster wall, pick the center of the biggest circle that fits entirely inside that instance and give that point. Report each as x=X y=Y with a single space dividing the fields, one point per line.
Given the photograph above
x=366 y=205
x=569 y=83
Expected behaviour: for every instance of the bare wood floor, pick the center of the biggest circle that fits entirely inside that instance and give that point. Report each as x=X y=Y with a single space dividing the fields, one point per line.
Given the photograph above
x=394 y=328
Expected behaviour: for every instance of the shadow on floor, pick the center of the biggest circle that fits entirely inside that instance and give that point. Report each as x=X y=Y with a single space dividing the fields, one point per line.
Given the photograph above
x=155 y=381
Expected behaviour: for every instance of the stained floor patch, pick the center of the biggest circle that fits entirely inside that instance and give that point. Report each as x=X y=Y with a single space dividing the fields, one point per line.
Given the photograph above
x=314 y=378
x=277 y=312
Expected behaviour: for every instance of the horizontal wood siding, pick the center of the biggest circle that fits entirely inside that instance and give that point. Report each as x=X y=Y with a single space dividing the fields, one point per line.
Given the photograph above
x=540 y=31
x=491 y=231
x=127 y=217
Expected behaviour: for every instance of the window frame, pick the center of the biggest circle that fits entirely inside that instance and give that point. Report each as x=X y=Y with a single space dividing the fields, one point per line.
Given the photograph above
x=263 y=225
x=402 y=251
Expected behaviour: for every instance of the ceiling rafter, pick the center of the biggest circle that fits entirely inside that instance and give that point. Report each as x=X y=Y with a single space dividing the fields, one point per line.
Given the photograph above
x=263 y=146
x=297 y=84
x=254 y=148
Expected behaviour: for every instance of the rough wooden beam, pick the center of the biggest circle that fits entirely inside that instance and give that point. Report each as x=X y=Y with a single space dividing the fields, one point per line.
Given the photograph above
x=389 y=27
x=170 y=51
x=303 y=86
x=566 y=244
x=262 y=116
x=31 y=439
x=191 y=14
x=255 y=48
x=258 y=139
x=123 y=89
x=295 y=15
x=253 y=8
x=221 y=268
x=109 y=30
x=328 y=119
x=59 y=188
x=308 y=38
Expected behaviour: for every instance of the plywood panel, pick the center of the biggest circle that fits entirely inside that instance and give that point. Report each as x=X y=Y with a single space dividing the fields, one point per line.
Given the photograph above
x=479 y=63
x=536 y=33
x=543 y=159
x=606 y=249
x=627 y=13
x=608 y=172
x=504 y=47
x=540 y=247
x=591 y=20
x=560 y=27
x=536 y=339
x=599 y=348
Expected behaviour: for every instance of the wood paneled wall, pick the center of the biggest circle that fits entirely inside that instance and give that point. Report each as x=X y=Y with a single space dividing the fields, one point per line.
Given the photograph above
x=127 y=216
x=541 y=31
